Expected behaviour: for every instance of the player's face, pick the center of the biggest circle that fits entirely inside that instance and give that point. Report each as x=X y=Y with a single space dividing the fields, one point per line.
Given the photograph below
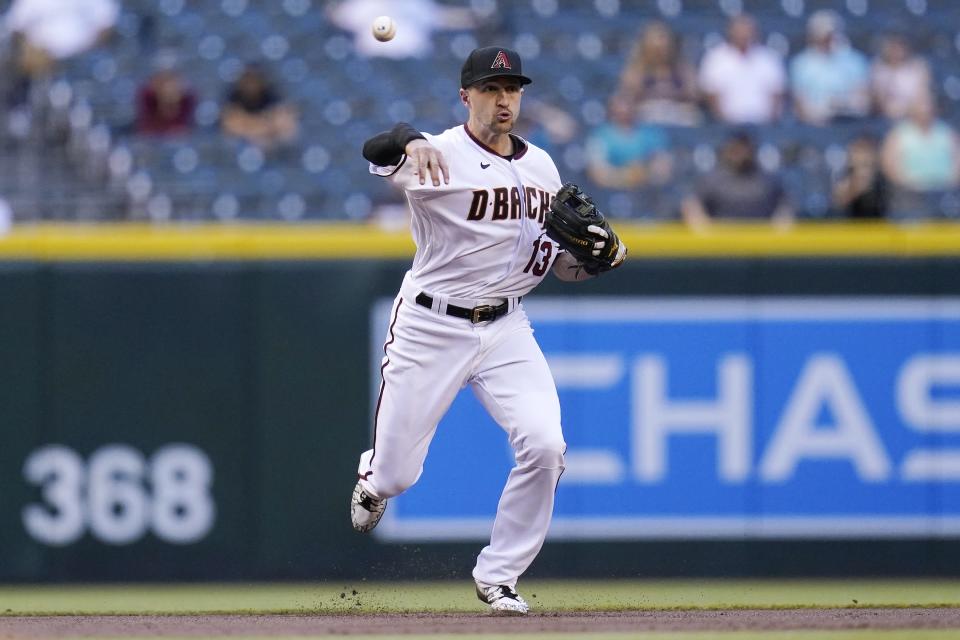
x=494 y=104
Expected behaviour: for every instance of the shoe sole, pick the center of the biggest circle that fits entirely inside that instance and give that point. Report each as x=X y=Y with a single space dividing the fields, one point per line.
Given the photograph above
x=507 y=613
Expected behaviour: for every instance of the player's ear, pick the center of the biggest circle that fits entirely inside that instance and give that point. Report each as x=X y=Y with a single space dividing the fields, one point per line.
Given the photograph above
x=465 y=98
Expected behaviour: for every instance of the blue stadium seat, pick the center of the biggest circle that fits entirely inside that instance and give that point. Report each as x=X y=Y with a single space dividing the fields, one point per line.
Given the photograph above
x=576 y=50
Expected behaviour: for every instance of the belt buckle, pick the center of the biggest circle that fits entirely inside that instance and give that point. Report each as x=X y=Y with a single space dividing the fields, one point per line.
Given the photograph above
x=475 y=313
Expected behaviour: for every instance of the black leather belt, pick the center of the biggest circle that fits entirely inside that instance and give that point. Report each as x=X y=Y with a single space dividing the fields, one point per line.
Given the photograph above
x=483 y=313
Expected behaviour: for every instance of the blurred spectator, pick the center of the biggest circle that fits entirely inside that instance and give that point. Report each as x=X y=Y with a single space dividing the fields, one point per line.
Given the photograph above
x=922 y=153
x=165 y=103
x=862 y=191
x=898 y=78
x=743 y=80
x=416 y=21
x=46 y=31
x=829 y=79
x=546 y=126
x=737 y=189
x=255 y=112
x=623 y=153
x=6 y=217
x=658 y=81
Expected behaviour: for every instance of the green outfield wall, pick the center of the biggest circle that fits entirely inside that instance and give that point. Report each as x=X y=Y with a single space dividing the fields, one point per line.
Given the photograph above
x=179 y=411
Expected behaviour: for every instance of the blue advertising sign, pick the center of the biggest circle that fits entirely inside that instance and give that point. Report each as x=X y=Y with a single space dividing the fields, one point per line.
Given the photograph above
x=721 y=418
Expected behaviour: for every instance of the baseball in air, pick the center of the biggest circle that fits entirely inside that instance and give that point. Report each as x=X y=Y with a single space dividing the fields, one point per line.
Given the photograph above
x=384 y=28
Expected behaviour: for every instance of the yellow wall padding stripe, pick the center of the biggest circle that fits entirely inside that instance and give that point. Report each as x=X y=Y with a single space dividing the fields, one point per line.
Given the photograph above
x=179 y=242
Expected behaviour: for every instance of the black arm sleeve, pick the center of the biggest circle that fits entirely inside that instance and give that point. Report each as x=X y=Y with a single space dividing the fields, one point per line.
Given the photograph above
x=386 y=149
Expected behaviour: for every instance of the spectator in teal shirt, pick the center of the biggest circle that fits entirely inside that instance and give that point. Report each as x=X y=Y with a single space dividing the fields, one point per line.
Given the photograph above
x=624 y=153
x=829 y=79
x=922 y=152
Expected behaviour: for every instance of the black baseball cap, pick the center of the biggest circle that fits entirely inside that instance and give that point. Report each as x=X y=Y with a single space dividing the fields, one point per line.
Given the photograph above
x=491 y=62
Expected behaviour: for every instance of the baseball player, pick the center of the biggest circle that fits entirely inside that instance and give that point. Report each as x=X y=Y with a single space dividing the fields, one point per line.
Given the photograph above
x=478 y=195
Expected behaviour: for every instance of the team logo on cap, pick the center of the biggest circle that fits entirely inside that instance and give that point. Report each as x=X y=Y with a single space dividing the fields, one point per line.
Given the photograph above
x=501 y=61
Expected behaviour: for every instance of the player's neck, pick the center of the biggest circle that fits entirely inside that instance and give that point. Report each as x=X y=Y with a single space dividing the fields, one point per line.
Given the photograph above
x=500 y=143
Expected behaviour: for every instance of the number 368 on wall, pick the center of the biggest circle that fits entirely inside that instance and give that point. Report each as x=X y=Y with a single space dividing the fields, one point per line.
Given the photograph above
x=119 y=495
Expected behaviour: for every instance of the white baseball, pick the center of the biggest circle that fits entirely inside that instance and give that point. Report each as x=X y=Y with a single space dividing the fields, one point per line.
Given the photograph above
x=384 y=28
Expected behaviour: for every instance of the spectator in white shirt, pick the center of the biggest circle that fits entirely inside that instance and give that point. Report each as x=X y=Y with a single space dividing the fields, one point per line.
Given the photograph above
x=898 y=78
x=60 y=29
x=743 y=81
x=46 y=31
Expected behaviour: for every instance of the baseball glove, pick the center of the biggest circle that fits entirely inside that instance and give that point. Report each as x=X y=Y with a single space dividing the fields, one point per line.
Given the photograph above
x=575 y=223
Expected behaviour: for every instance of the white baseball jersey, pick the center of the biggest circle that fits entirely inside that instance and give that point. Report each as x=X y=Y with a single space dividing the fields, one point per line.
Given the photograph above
x=480 y=236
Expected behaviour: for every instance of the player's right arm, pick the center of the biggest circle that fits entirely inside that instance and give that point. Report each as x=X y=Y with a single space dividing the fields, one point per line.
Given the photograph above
x=388 y=149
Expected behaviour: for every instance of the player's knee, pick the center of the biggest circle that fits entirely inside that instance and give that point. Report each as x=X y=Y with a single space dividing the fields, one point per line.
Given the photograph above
x=543 y=450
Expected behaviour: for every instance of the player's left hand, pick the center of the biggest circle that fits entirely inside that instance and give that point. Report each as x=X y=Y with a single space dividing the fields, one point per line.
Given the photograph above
x=427 y=159
x=575 y=223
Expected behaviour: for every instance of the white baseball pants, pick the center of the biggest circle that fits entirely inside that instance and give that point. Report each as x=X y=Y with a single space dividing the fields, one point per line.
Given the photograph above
x=429 y=358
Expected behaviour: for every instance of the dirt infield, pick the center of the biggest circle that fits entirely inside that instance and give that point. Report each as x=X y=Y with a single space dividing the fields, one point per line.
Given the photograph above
x=295 y=625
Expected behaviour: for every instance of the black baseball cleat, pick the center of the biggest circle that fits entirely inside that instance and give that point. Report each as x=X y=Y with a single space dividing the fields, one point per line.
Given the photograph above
x=365 y=510
x=503 y=600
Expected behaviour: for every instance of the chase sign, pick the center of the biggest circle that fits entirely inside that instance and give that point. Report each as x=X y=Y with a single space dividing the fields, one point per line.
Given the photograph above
x=722 y=418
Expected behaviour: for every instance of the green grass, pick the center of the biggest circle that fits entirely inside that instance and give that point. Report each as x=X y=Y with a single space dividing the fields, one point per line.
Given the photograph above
x=905 y=634
x=545 y=596
x=555 y=595
x=856 y=634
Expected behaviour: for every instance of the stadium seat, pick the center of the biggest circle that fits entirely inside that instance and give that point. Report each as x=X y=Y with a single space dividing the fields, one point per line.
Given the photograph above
x=576 y=50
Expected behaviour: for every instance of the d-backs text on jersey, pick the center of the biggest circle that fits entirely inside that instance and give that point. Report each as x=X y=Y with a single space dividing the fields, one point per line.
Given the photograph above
x=505 y=203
